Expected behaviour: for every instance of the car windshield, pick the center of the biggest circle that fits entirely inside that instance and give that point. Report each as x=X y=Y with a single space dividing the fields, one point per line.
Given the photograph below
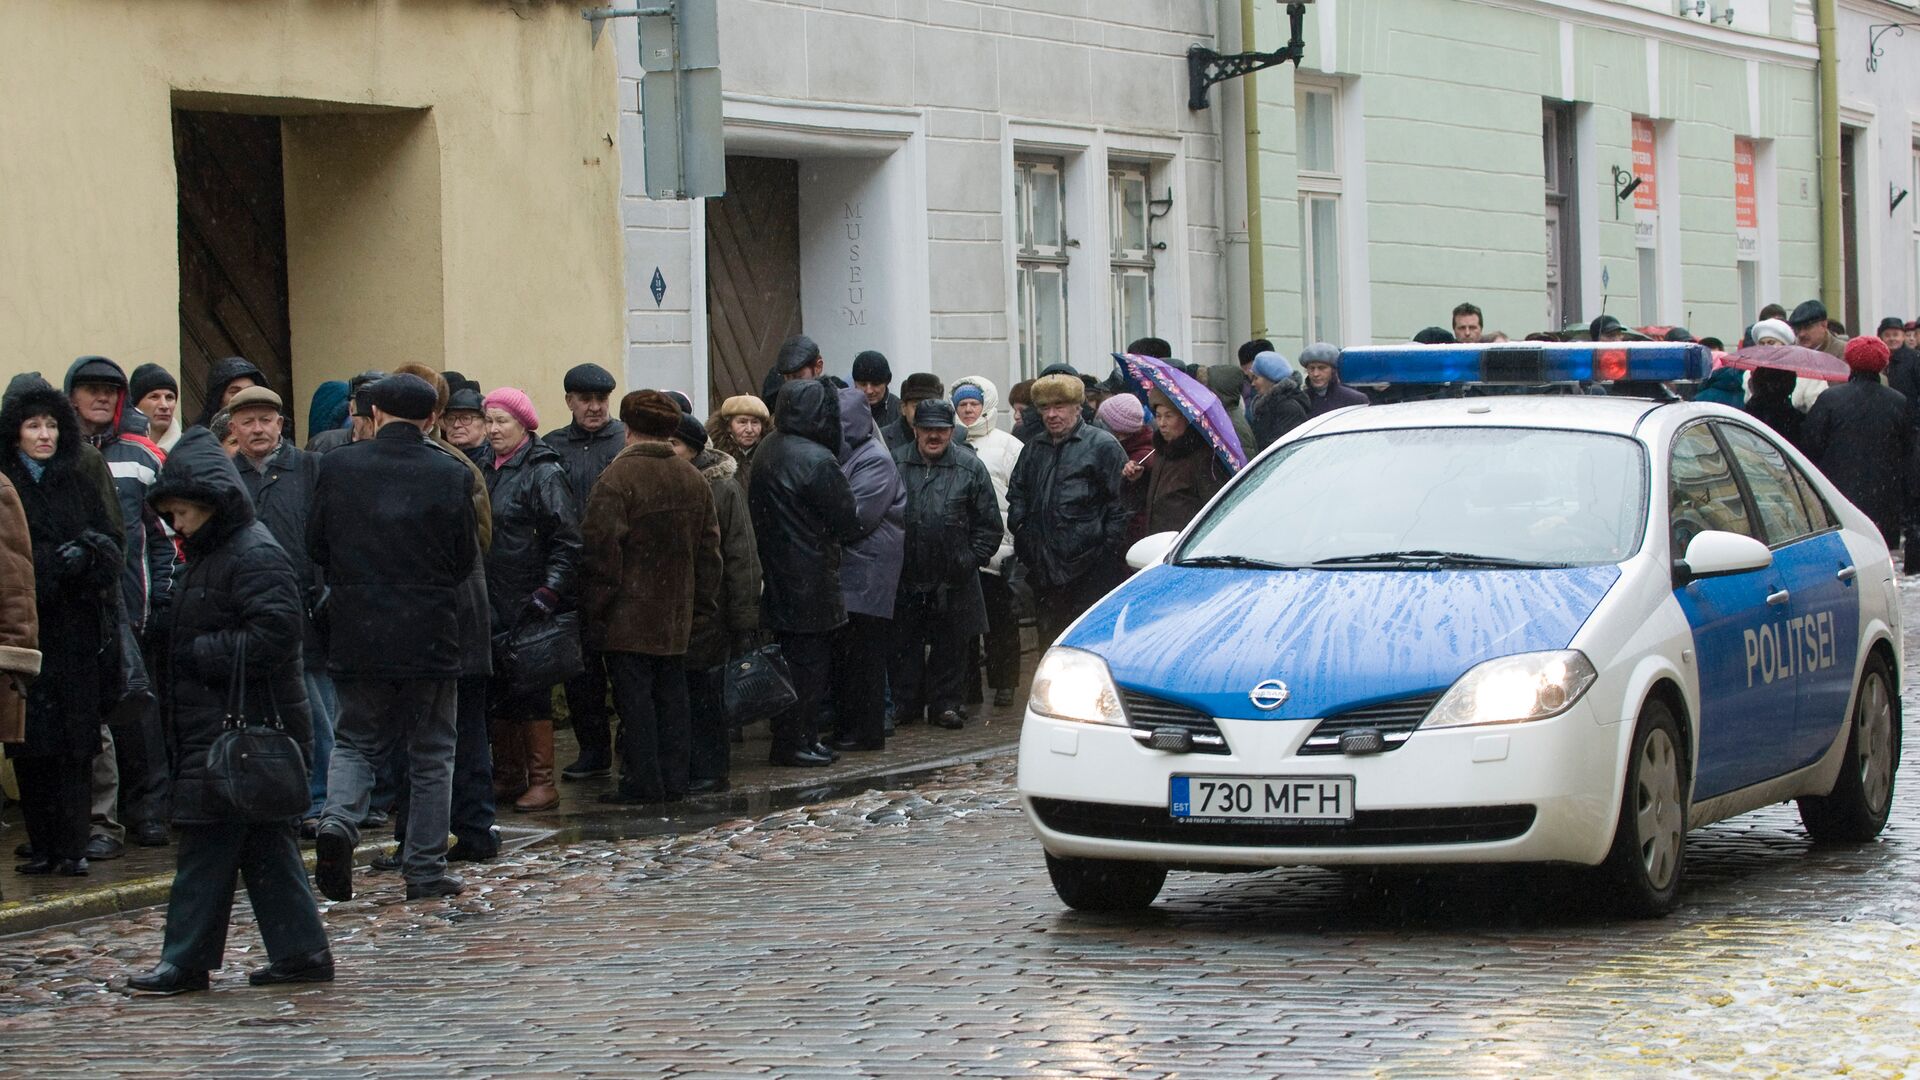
x=1434 y=497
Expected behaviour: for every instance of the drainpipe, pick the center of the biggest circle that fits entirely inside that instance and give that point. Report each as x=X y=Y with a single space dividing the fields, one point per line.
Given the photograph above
x=1256 y=237
x=1833 y=278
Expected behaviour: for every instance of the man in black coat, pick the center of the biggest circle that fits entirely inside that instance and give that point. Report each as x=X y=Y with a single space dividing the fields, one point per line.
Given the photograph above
x=1903 y=374
x=1859 y=434
x=239 y=618
x=280 y=477
x=873 y=376
x=803 y=510
x=953 y=529
x=393 y=530
x=1065 y=508
x=586 y=447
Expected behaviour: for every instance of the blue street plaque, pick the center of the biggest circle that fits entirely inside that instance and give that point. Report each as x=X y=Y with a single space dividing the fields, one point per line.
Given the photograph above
x=659 y=287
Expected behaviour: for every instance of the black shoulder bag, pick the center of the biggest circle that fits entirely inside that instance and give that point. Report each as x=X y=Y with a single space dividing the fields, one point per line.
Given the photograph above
x=256 y=772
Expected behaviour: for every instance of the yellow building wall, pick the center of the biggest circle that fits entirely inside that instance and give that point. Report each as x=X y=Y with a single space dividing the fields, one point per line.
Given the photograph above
x=476 y=230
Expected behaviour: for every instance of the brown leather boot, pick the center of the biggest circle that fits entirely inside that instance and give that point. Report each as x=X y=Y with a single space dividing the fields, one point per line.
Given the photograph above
x=509 y=759
x=541 y=794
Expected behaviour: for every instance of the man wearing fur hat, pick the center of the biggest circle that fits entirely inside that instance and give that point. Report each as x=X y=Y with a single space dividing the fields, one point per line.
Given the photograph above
x=1858 y=434
x=1064 y=507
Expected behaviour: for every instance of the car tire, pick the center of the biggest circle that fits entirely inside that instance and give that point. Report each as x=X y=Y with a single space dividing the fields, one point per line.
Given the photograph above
x=1856 y=809
x=1105 y=884
x=1649 y=854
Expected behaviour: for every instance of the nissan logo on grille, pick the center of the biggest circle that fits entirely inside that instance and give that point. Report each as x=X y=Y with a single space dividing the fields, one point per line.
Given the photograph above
x=1269 y=695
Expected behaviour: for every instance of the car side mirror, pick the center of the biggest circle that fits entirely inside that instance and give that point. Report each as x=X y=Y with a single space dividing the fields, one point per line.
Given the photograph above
x=1715 y=553
x=1150 y=549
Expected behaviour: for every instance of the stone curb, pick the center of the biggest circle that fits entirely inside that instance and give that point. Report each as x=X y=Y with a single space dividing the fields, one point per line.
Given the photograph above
x=26 y=916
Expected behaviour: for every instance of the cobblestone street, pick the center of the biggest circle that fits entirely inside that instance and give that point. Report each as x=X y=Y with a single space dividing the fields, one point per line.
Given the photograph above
x=914 y=933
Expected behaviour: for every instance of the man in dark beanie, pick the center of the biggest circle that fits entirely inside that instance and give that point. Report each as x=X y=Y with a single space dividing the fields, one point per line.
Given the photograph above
x=798 y=358
x=586 y=447
x=650 y=562
x=1859 y=434
x=919 y=386
x=953 y=529
x=872 y=376
x=156 y=393
x=393 y=530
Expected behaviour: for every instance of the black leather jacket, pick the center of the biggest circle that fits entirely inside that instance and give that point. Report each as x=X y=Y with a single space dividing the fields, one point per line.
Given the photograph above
x=1065 y=506
x=803 y=510
x=586 y=454
x=536 y=532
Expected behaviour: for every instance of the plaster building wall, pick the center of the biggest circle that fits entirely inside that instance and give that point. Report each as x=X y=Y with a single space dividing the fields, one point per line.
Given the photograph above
x=1444 y=190
x=451 y=179
x=1883 y=105
x=910 y=117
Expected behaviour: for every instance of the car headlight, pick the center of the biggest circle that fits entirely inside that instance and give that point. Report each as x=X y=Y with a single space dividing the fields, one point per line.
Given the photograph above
x=1515 y=689
x=1074 y=684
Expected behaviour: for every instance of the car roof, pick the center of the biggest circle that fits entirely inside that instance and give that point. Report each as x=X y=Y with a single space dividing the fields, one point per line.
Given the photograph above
x=1570 y=412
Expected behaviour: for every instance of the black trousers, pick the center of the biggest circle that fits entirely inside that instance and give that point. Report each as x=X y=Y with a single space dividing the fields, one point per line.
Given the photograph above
x=810 y=659
x=56 y=799
x=709 y=742
x=1003 y=632
x=860 y=677
x=471 y=816
x=587 y=705
x=1056 y=606
x=200 y=908
x=651 y=694
x=929 y=665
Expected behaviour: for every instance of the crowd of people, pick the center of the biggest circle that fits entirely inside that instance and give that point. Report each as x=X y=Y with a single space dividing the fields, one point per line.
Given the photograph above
x=379 y=594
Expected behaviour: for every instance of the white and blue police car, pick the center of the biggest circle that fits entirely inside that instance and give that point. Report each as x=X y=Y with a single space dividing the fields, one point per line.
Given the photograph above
x=1478 y=629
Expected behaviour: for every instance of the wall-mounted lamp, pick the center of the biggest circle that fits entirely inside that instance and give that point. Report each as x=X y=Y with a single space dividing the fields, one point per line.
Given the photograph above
x=1725 y=16
x=1693 y=9
x=1624 y=183
x=1895 y=196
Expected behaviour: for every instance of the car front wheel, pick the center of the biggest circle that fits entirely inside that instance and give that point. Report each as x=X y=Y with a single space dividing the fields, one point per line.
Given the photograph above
x=1649 y=851
x=1862 y=796
x=1105 y=884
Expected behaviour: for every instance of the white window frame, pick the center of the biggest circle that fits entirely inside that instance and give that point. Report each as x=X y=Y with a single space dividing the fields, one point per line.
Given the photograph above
x=1030 y=253
x=1323 y=186
x=1125 y=263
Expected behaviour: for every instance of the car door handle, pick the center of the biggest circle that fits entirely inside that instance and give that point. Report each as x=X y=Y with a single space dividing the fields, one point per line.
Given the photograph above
x=1780 y=597
x=1847 y=573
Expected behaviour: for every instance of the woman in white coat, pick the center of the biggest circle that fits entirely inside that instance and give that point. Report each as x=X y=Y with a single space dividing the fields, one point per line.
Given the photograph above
x=976 y=404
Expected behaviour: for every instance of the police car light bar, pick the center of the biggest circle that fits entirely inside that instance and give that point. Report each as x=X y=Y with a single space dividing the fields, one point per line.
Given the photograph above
x=1526 y=363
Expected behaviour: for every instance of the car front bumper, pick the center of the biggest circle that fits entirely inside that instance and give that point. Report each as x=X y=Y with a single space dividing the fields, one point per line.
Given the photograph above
x=1546 y=791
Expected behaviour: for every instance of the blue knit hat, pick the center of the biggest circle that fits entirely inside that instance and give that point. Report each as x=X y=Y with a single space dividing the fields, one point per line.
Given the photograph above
x=969 y=392
x=1271 y=366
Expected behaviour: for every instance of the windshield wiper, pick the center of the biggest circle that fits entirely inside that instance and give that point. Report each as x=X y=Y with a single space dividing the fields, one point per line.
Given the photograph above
x=1429 y=557
x=1237 y=562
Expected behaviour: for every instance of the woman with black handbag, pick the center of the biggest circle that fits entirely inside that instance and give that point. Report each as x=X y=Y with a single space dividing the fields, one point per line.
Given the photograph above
x=73 y=520
x=234 y=676
x=530 y=584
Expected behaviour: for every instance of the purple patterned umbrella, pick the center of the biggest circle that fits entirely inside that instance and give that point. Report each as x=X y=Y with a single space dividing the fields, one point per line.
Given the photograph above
x=1197 y=403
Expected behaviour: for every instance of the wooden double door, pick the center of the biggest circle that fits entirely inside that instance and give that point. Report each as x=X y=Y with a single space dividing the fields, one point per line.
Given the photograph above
x=753 y=272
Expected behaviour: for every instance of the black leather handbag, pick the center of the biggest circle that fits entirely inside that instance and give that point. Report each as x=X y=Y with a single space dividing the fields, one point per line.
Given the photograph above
x=540 y=654
x=757 y=686
x=256 y=772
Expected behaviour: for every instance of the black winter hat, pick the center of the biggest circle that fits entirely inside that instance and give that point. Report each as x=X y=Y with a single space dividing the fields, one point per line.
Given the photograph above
x=97 y=369
x=408 y=397
x=922 y=385
x=872 y=367
x=933 y=413
x=1605 y=324
x=466 y=399
x=692 y=432
x=1678 y=333
x=1809 y=311
x=1435 y=335
x=588 y=379
x=795 y=353
x=150 y=377
x=1891 y=322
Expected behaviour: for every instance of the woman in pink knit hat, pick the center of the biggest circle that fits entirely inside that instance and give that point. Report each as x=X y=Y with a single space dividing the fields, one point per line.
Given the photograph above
x=530 y=576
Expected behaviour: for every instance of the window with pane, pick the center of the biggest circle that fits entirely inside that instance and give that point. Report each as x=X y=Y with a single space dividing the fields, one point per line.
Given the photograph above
x=1316 y=112
x=1703 y=494
x=1777 y=496
x=1559 y=173
x=1132 y=253
x=1041 y=230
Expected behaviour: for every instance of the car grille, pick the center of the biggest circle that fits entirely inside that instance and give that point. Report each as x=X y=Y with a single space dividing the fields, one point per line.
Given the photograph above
x=1369 y=828
x=1144 y=714
x=1394 y=720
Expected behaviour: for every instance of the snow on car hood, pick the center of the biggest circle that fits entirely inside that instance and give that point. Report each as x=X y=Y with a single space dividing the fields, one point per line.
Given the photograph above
x=1339 y=639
